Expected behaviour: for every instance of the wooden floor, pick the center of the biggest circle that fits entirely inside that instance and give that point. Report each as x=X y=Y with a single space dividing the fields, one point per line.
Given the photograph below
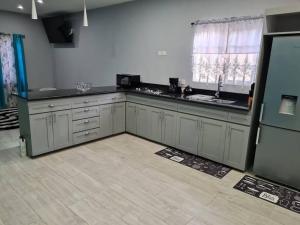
x=120 y=181
x=9 y=139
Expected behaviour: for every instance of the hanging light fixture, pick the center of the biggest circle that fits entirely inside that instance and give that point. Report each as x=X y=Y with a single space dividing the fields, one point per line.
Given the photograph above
x=85 y=19
x=33 y=11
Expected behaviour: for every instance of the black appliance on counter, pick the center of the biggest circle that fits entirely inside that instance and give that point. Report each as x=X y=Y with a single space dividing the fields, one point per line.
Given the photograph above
x=128 y=80
x=174 y=85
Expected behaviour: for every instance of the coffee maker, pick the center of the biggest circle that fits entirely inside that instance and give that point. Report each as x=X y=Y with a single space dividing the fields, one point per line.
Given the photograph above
x=174 y=85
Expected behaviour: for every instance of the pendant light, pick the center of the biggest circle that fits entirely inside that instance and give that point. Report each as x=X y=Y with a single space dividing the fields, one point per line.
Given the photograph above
x=85 y=19
x=33 y=11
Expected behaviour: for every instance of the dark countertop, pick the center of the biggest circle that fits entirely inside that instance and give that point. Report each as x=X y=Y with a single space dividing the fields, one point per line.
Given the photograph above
x=240 y=103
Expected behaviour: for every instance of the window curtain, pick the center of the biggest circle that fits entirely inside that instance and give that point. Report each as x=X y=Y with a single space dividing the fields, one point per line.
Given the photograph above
x=229 y=48
x=2 y=96
x=21 y=75
x=8 y=82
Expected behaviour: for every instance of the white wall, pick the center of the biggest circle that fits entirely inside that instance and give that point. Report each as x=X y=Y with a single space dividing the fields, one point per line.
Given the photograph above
x=38 y=51
x=126 y=38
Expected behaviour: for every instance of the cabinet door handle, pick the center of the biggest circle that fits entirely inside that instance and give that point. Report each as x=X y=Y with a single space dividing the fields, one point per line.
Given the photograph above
x=50 y=119
x=261 y=112
x=54 y=118
x=258 y=136
x=51 y=106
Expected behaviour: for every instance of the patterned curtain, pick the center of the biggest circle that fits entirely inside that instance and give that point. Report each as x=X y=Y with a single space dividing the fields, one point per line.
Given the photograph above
x=9 y=80
x=229 y=48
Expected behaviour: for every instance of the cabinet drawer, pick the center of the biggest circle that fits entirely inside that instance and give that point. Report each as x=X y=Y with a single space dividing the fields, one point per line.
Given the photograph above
x=204 y=111
x=111 y=98
x=153 y=101
x=48 y=106
x=84 y=102
x=86 y=136
x=240 y=118
x=84 y=113
x=86 y=124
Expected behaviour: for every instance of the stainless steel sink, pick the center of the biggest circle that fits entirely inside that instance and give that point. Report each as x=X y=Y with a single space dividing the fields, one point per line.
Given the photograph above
x=209 y=98
x=222 y=101
x=200 y=97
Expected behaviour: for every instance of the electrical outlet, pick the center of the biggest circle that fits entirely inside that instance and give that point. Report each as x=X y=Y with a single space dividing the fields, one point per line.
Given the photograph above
x=162 y=53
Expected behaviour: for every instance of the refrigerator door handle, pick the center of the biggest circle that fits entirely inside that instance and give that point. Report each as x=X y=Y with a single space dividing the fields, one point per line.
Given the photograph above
x=261 y=112
x=258 y=136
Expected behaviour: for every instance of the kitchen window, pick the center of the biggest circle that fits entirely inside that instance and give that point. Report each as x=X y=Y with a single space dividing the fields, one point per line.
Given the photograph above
x=230 y=48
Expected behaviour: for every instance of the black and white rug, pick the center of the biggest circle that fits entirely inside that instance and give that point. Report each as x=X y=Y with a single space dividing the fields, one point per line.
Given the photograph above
x=9 y=119
x=278 y=195
x=209 y=167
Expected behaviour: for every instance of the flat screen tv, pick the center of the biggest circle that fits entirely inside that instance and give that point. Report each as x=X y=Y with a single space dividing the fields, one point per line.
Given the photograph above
x=58 y=29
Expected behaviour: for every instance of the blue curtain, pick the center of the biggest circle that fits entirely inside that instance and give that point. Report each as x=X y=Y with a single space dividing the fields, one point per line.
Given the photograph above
x=2 y=96
x=22 y=84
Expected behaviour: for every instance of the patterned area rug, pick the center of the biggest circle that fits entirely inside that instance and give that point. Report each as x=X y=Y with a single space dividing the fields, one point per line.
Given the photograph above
x=9 y=119
x=278 y=195
x=209 y=167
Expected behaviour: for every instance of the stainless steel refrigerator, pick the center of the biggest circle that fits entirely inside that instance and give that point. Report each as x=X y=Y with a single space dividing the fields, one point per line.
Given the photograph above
x=278 y=141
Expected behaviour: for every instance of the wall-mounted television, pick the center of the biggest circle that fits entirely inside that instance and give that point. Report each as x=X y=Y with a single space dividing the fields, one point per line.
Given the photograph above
x=58 y=29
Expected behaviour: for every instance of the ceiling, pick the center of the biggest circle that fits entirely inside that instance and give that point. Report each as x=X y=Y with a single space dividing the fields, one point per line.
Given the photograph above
x=56 y=6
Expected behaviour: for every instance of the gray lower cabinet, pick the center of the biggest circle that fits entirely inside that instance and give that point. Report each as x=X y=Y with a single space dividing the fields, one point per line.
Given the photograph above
x=106 y=120
x=212 y=139
x=41 y=133
x=236 y=146
x=131 y=118
x=188 y=132
x=62 y=129
x=50 y=131
x=155 y=117
x=169 y=128
x=118 y=118
x=142 y=121
x=112 y=119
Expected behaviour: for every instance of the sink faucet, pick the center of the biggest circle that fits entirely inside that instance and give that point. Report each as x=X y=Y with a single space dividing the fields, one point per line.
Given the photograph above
x=220 y=84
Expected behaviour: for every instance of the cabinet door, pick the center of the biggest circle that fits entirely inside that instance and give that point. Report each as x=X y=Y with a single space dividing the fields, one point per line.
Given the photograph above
x=212 y=139
x=169 y=128
x=118 y=118
x=62 y=129
x=41 y=134
x=131 y=118
x=188 y=131
x=155 y=124
x=142 y=121
x=106 y=120
x=236 y=146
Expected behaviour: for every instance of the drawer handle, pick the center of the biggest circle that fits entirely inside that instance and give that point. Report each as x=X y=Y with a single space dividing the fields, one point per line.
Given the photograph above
x=87 y=121
x=87 y=133
x=86 y=110
x=51 y=106
x=86 y=102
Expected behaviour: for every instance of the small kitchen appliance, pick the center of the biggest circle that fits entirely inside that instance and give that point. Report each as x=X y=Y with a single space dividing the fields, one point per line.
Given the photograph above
x=128 y=80
x=174 y=85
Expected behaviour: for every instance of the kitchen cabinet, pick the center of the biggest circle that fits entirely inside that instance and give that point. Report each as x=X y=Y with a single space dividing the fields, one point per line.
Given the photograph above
x=212 y=139
x=50 y=131
x=155 y=124
x=118 y=112
x=236 y=146
x=62 y=129
x=106 y=120
x=131 y=121
x=41 y=133
x=112 y=119
x=188 y=132
x=169 y=128
x=142 y=121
